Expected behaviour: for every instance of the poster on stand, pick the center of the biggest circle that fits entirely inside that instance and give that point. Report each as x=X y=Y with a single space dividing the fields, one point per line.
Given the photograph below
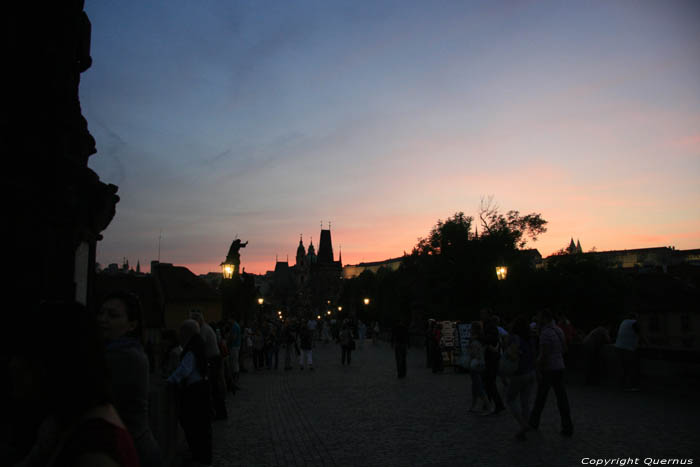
x=463 y=336
x=447 y=342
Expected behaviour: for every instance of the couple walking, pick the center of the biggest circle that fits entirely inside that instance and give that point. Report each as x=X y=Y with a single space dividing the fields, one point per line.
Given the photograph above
x=547 y=368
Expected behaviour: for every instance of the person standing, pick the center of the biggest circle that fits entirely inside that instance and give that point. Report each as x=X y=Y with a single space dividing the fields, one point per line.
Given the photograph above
x=65 y=378
x=258 y=349
x=195 y=405
x=399 y=341
x=521 y=349
x=289 y=342
x=345 y=341
x=361 y=332
x=593 y=347
x=120 y=319
x=234 y=349
x=215 y=373
x=627 y=345
x=550 y=364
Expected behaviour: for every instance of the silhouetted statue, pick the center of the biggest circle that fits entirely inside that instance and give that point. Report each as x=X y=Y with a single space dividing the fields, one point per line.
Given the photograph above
x=234 y=257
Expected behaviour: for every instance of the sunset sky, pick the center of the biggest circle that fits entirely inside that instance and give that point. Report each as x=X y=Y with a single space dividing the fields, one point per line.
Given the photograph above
x=261 y=119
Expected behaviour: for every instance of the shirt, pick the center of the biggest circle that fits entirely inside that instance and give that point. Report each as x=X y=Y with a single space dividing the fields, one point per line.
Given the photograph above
x=211 y=346
x=186 y=371
x=627 y=336
x=597 y=338
x=552 y=338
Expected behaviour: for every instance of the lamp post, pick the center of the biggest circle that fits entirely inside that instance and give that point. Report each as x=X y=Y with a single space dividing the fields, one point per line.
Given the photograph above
x=501 y=272
x=261 y=302
x=227 y=270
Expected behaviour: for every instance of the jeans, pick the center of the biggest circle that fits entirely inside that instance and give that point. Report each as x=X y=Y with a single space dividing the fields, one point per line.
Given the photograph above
x=309 y=360
x=234 y=358
x=520 y=386
x=555 y=380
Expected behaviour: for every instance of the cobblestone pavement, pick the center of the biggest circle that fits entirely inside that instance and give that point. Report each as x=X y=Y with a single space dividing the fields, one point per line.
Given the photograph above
x=362 y=415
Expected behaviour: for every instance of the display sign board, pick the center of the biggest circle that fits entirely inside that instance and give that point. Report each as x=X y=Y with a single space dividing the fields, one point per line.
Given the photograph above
x=447 y=341
x=464 y=332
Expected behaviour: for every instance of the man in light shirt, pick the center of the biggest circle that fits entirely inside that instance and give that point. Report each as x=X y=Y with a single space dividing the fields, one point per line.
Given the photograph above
x=627 y=345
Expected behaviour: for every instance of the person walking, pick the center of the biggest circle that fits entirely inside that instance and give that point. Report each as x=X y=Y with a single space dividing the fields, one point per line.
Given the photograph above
x=375 y=333
x=550 y=364
x=120 y=319
x=345 y=340
x=492 y=355
x=476 y=370
x=520 y=351
x=306 y=344
x=399 y=341
x=258 y=349
x=361 y=333
x=195 y=402
x=271 y=348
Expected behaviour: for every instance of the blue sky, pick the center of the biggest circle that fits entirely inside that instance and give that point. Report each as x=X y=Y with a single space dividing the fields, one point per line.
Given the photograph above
x=260 y=119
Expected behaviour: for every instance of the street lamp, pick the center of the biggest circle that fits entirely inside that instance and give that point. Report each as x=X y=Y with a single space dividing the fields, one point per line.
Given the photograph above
x=340 y=308
x=260 y=301
x=366 y=300
x=328 y=312
x=318 y=316
x=227 y=270
x=501 y=272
